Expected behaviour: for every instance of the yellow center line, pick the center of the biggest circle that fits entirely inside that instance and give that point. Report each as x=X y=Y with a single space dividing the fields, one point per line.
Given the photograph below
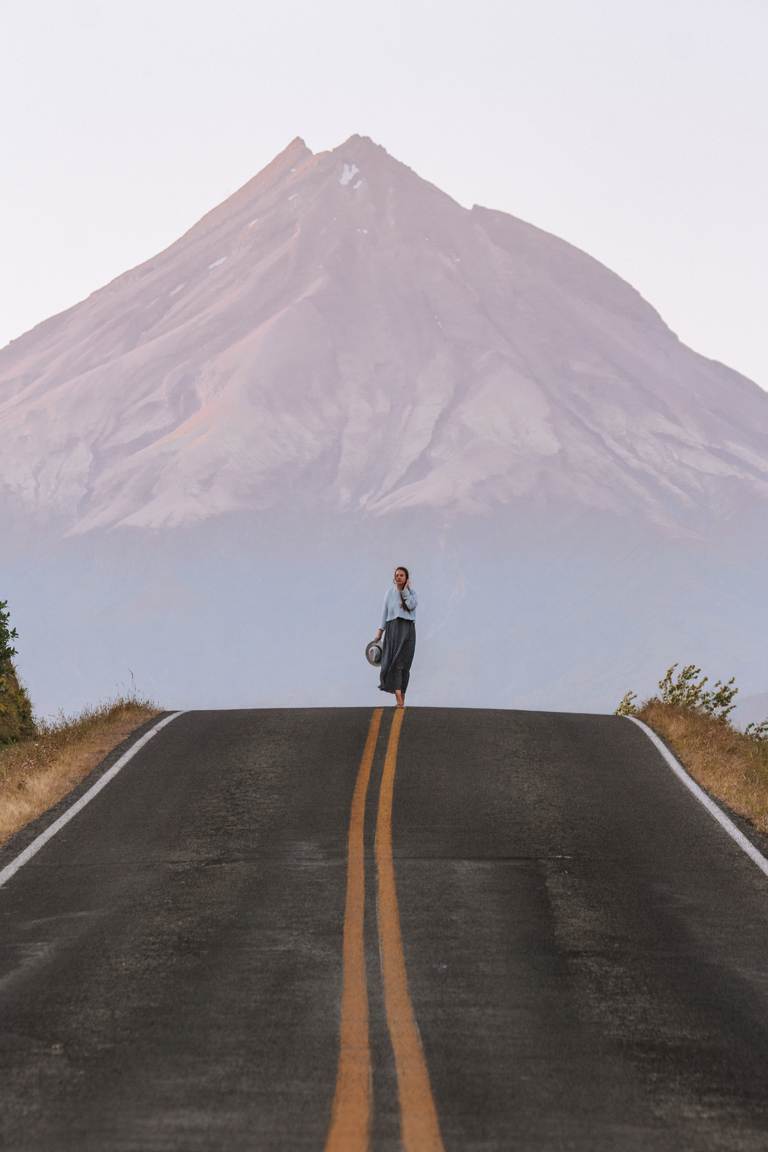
x=419 y=1127
x=350 y=1117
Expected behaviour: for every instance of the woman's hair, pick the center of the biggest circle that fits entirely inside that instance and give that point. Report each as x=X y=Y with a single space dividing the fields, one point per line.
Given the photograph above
x=402 y=568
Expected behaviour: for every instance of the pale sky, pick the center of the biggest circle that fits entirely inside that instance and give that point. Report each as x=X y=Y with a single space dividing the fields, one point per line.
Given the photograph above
x=635 y=129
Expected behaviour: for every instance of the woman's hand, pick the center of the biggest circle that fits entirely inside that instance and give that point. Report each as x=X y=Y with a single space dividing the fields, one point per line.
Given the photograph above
x=379 y=634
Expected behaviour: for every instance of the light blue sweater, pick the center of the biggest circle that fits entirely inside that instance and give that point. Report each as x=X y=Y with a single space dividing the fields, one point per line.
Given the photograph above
x=393 y=605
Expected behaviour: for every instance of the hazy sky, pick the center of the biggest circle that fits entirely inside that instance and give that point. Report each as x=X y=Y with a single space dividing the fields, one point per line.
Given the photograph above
x=636 y=129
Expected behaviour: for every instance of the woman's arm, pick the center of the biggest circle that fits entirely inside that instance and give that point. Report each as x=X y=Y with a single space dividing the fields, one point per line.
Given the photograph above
x=411 y=600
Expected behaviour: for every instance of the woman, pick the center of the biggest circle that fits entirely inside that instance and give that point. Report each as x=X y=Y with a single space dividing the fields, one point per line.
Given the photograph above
x=398 y=627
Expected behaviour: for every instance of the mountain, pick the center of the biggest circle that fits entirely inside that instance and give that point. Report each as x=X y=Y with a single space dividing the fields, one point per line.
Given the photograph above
x=215 y=460
x=343 y=327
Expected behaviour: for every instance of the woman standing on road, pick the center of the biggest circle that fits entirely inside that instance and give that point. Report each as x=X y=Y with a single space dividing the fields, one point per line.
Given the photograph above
x=398 y=626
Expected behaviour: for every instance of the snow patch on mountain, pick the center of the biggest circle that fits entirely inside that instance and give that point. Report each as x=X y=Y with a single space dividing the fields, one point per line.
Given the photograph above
x=348 y=174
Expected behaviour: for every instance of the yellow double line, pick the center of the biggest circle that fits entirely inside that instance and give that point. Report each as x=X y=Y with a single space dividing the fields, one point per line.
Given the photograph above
x=351 y=1116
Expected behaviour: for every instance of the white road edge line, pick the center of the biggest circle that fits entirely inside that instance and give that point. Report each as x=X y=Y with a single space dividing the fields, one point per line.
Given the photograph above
x=33 y=848
x=735 y=833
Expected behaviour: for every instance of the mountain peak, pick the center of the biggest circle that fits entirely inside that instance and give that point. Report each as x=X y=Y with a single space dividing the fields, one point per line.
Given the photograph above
x=293 y=153
x=363 y=143
x=297 y=145
x=362 y=150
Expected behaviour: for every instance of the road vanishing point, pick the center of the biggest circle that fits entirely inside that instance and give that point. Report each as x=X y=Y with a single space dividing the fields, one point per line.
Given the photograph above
x=373 y=928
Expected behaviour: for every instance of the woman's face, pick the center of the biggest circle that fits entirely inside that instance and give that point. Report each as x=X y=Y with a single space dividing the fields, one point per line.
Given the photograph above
x=400 y=577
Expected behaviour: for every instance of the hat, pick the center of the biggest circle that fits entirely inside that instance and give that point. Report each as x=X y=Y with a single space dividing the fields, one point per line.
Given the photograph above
x=373 y=652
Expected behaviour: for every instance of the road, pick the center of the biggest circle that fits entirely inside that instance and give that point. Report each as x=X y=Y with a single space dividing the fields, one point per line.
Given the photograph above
x=359 y=928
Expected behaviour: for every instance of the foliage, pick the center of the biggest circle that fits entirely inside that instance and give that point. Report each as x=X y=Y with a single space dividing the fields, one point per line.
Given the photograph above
x=687 y=691
x=16 y=721
x=757 y=732
x=627 y=705
x=7 y=634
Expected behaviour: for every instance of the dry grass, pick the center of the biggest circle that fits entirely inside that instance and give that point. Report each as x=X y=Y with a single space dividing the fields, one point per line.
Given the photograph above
x=730 y=765
x=36 y=773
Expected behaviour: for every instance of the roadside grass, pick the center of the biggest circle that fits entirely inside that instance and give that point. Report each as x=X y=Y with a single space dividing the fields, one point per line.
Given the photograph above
x=729 y=765
x=35 y=773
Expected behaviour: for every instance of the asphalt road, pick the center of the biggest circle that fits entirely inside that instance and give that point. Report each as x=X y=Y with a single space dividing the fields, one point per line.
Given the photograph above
x=332 y=929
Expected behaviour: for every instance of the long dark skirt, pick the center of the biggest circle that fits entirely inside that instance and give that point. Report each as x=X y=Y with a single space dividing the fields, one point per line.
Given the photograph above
x=397 y=654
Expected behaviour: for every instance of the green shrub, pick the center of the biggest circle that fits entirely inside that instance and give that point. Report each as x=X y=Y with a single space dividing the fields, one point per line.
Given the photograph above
x=7 y=634
x=757 y=731
x=16 y=720
x=627 y=705
x=687 y=691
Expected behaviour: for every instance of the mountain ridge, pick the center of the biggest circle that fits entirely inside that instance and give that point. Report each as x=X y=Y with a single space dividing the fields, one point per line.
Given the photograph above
x=342 y=325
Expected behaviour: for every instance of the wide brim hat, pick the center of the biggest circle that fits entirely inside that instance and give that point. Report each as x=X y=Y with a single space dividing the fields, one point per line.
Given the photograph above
x=373 y=652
